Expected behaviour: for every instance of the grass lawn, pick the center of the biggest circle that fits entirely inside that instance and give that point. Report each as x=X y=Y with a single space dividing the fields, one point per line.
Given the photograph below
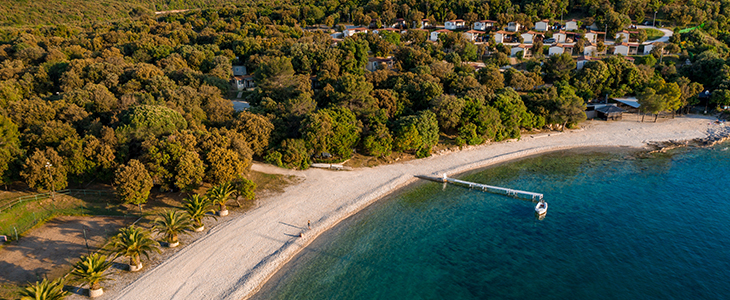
x=653 y=34
x=23 y=217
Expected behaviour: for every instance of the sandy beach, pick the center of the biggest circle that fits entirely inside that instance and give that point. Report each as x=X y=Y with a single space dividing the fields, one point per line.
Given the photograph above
x=234 y=258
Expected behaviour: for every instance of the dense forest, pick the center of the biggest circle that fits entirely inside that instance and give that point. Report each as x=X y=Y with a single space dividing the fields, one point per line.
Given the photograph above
x=92 y=102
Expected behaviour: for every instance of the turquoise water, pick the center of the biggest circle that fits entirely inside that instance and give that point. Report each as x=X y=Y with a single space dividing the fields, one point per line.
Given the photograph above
x=618 y=227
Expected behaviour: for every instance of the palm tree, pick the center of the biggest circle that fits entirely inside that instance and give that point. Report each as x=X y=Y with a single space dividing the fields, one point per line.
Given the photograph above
x=171 y=223
x=198 y=208
x=44 y=290
x=220 y=194
x=90 y=270
x=133 y=242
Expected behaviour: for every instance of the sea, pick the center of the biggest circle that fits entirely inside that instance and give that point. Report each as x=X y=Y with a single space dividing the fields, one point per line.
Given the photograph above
x=621 y=224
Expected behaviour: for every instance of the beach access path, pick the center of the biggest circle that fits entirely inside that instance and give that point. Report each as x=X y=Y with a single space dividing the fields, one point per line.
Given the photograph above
x=236 y=257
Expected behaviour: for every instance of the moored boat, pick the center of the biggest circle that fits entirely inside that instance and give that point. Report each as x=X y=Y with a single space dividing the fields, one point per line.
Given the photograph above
x=541 y=207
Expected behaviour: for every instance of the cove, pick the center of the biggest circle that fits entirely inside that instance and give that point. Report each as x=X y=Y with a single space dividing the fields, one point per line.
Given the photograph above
x=620 y=226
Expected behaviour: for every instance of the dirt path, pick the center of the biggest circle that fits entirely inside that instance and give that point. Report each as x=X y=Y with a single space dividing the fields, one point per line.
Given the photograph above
x=50 y=250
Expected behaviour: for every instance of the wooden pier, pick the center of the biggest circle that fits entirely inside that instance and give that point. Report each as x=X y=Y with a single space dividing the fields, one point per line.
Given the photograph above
x=487 y=188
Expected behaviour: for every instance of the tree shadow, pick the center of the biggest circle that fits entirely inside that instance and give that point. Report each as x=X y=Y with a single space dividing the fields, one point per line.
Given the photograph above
x=53 y=247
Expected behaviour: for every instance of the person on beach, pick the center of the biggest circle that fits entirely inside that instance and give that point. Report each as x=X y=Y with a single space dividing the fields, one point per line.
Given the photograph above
x=309 y=225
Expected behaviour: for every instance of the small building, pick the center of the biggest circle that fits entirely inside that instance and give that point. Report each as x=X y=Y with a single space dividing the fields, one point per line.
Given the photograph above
x=472 y=35
x=571 y=25
x=377 y=63
x=592 y=36
x=513 y=26
x=483 y=25
x=610 y=113
x=379 y=30
x=476 y=65
x=239 y=70
x=542 y=25
x=244 y=82
x=560 y=36
x=590 y=50
x=435 y=34
x=521 y=47
x=560 y=49
x=648 y=48
x=627 y=103
x=626 y=49
x=425 y=23
x=399 y=23
x=623 y=36
x=353 y=31
x=455 y=24
x=529 y=36
x=501 y=37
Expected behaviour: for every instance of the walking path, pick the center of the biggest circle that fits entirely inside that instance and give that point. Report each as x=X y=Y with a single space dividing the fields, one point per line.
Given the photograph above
x=236 y=257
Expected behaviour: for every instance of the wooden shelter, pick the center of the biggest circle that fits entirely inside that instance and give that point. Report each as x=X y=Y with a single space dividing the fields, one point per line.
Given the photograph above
x=610 y=112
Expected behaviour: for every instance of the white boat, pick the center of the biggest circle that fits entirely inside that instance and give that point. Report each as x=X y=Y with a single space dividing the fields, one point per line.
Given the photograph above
x=541 y=207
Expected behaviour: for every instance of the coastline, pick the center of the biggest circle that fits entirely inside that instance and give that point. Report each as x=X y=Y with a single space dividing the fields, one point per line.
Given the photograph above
x=236 y=258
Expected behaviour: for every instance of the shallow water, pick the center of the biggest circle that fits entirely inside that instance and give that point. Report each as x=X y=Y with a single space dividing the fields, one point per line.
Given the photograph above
x=618 y=227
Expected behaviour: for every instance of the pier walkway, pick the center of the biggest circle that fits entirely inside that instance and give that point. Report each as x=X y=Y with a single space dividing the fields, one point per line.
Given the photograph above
x=487 y=188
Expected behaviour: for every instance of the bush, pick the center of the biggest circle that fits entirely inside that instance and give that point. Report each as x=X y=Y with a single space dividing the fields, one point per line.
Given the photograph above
x=274 y=158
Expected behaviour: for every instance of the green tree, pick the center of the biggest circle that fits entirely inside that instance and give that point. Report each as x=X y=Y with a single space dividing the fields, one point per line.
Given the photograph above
x=91 y=270
x=44 y=290
x=189 y=171
x=417 y=133
x=468 y=135
x=558 y=67
x=198 y=208
x=9 y=147
x=378 y=141
x=149 y=120
x=407 y=138
x=448 y=111
x=220 y=194
x=491 y=78
x=133 y=242
x=45 y=171
x=333 y=130
x=353 y=92
x=133 y=183
x=224 y=164
x=294 y=153
x=256 y=128
x=720 y=98
x=245 y=189
x=171 y=223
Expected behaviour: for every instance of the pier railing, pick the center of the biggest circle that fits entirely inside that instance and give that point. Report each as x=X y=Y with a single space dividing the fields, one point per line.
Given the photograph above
x=487 y=188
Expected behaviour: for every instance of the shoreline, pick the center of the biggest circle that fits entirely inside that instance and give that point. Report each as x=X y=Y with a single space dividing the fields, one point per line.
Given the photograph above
x=496 y=161
x=235 y=259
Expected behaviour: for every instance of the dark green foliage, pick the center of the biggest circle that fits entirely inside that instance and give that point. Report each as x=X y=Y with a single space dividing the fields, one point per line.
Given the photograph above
x=144 y=121
x=468 y=135
x=133 y=183
x=9 y=147
x=155 y=88
x=294 y=154
x=417 y=133
x=45 y=171
x=331 y=130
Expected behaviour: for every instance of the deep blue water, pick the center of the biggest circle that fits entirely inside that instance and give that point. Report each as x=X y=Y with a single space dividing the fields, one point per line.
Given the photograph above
x=619 y=226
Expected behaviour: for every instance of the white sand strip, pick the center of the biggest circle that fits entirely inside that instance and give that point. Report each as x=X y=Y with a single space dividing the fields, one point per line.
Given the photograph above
x=235 y=258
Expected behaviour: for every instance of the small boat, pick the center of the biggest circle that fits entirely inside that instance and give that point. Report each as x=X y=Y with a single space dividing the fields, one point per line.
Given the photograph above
x=541 y=207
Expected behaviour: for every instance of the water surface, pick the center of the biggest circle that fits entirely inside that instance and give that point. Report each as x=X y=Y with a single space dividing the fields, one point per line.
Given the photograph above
x=618 y=227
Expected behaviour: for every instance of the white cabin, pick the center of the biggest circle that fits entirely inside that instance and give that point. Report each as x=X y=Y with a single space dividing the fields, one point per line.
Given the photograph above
x=542 y=25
